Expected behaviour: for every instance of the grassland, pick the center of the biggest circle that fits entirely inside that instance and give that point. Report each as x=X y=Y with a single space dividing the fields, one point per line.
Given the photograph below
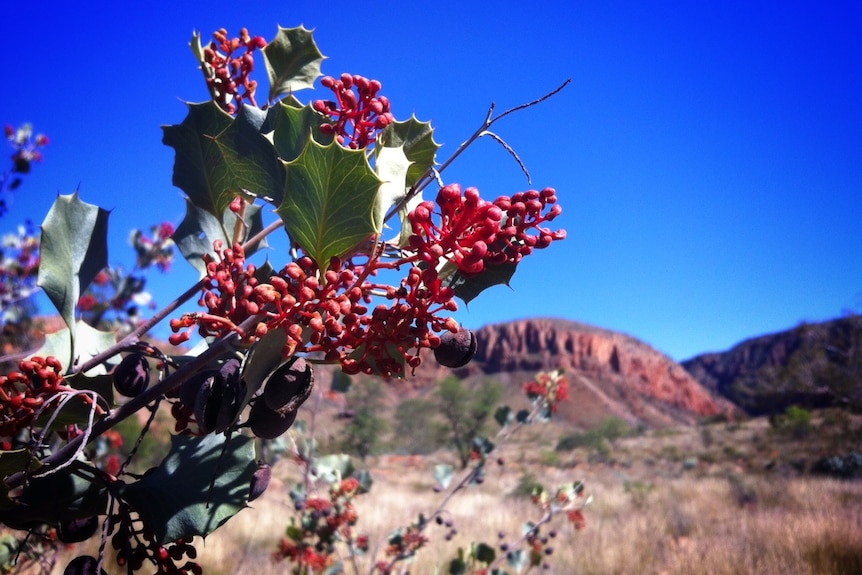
x=721 y=498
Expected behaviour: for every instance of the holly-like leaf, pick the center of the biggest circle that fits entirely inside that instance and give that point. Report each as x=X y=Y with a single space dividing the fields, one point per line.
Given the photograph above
x=417 y=140
x=199 y=229
x=13 y=462
x=74 y=249
x=467 y=288
x=517 y=560
x=218 y=156
x=392 y=166
x=341 y=382
x=334 y=467
x=292 y=126
x=174 y=499
x=292 y=61
x=330 y=201
x=504 y=415
x=443 y=474
x=88 y=343
x=484 y=553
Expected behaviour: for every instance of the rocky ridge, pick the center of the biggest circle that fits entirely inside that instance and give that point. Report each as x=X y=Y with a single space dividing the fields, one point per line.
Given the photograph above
x=610 y=374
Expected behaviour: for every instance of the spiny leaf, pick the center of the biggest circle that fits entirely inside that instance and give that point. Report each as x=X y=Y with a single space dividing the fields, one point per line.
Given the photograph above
x=88 y=343
x=417 y=140
x=330 y=200
x=292 y=126
x=392 y=166
x=484 y=553
x=199 y=229
x=443 y=474
x=218 y=157
x=172 y=498
x=292 y=61
x=74 y=249
x=467 y=288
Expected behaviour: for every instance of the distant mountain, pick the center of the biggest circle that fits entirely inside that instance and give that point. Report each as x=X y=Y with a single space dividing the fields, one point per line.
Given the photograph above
x=812 y=365
x=610 y=374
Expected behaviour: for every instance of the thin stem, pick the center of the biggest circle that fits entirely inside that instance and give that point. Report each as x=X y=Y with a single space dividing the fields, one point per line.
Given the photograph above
x=433 y=173
x=171 y=382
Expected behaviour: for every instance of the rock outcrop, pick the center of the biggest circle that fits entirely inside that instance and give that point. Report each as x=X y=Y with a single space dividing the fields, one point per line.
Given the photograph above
x=812 y=365
x=610 y=374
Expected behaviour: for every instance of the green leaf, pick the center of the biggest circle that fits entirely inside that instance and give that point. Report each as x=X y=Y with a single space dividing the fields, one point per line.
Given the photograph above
x=517 y=560
x=417 y=140
x=330 y=200
x=12 y=462
x=392 y=166
x=199 y=229
x=218 y=157
x=292 y=127
x=484 y=553
x=467 y=288
x=457 y=567
x=341 y=382
x=74 y=249
x=332 y=468
x=57 y=497
x=172 y=498
x=443 y=474
x=89 y=342
x=504 y=415
x=292 y=61
x=365 y=480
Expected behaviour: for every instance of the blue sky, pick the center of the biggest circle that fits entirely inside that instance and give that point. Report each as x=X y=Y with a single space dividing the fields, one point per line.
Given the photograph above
x=708 y=156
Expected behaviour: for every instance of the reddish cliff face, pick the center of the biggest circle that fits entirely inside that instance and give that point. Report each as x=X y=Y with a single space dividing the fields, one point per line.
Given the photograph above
x=611 y=374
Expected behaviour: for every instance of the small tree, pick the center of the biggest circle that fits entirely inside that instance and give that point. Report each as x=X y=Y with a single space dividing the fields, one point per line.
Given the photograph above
x=363 y=435
x=466 y=411
x=417 y=429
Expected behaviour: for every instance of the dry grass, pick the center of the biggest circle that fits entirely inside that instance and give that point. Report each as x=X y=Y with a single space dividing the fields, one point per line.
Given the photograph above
x=653 y=512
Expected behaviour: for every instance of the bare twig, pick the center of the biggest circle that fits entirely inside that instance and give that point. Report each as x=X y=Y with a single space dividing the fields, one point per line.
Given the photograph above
x=432 y=173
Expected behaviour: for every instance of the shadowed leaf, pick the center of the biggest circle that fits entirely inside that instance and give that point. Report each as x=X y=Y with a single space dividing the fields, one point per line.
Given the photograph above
x=218 y=157
x=172 y=498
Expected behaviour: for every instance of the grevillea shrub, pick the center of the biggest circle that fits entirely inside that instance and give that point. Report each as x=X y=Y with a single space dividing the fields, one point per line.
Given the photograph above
x=349 y=184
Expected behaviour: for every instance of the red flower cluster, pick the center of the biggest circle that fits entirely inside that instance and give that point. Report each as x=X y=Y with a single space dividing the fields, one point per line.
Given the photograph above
x=158 y=250
x=24 y=392
x=549 y=387
x=473 y=233
x=358 y=115
x=19 y=267
x=323 y=523
x=227 y=66
x=27 y=146
x=326 y=313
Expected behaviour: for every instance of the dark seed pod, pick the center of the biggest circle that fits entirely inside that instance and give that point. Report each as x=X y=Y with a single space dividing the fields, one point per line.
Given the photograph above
x=189 y=389
x=289 y=386
x=456 y=349
x=132 y=375
x=232 y=395
x=77 y=530
x=218 y=399
x=259 y=481
x=83 y=565
x=268 y=424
